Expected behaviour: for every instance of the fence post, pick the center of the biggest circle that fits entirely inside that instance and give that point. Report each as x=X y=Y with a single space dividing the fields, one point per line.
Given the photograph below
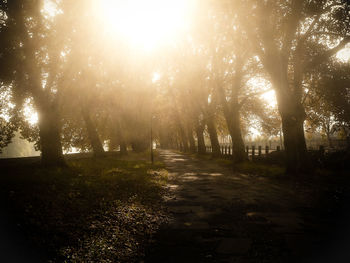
x=247 y=150
x=278 y=148
x=229 y=150
x=259 y=150
x=225 y=149
x=266 y=149
x=253 y=152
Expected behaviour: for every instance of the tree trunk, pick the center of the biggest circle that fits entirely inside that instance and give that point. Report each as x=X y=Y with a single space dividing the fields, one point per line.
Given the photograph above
x=293 y=117
x=295 y=145
x=183 y=139
x=329 y=139
x=50 y=136
x=238 y=151
x=121 y=138
x=231 y=111
x=123 y=148
x=213 y=137
x=49 y=121
x=93 y=135
x=140 y=144
x=232 y=118
x=191 y=140
x=184 y=144
x=200 y=139
x=292 y=114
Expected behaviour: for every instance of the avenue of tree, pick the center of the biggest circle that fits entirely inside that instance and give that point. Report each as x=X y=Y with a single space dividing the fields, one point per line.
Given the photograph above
x=89 y=88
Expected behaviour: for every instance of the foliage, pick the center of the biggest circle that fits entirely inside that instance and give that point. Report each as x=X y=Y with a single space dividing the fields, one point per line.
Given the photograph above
x=335 y=90
x=6 y=133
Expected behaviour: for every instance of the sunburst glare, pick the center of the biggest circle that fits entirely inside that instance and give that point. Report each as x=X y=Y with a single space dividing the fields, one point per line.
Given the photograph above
x=144 y=24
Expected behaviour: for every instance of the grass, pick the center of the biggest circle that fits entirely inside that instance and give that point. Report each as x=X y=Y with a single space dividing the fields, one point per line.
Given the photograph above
x=247 y=167
x=96 y=210
x=260 y=169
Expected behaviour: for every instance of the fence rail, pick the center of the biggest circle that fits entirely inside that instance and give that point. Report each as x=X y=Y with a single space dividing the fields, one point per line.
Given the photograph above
x=253 y=151
x=250 y=151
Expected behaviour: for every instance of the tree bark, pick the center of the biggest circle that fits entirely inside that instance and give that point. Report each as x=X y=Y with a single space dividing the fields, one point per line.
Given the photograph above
x=191 y=140
x=200 y=139
x=294 y=144
x=49 y=119
x=238 y=151
x=183 y=137
x=184 y=141
x=93 y=135
x=232 y=118
x=123 y=148
x=213 y=136
x=50 y=135
x=292 y=113
x=329 y=139
x=231 y=109
x=140 y=144
x=293 y=117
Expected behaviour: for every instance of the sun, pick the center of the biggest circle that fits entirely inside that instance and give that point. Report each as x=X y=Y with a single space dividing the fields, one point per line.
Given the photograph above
x=31 y=116
x=344 y=54
x=260 y=85
x=144 y=24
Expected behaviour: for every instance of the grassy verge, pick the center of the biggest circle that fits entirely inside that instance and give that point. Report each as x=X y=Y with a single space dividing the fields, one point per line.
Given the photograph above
x=260 y=169
x=96 y=210
x=247 y=167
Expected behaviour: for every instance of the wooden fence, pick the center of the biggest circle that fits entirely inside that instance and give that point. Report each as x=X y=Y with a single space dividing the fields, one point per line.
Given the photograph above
x=252 y=151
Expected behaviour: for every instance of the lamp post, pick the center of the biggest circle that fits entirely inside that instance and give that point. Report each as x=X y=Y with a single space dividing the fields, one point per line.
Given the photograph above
x=152 y=157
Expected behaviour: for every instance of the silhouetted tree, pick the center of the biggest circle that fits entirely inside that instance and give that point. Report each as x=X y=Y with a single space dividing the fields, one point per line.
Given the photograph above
x=281 y=33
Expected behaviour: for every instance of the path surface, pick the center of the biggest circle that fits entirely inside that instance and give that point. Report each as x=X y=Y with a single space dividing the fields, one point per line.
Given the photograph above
x=222 y=216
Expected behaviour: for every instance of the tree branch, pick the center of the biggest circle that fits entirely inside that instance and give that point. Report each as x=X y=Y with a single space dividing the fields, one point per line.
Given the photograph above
x=309 y=30
x=314 y=22
x=327 y=54
x=292 y=25
x=253 y=95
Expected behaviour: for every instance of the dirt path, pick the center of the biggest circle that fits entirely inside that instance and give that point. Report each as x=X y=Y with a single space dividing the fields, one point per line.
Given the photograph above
x=221 y=216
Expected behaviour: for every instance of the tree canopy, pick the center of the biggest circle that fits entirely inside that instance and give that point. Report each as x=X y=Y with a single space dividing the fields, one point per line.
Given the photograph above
x=193 y=72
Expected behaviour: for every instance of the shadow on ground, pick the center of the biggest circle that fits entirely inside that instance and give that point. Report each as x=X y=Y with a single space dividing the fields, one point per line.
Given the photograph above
x=222 y=216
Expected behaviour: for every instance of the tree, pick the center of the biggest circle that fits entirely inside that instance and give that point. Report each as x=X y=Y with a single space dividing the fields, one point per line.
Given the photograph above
x=6 y=133
x=30 y=53
x=333 y=93
x=7 y=128
x=280 y=33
